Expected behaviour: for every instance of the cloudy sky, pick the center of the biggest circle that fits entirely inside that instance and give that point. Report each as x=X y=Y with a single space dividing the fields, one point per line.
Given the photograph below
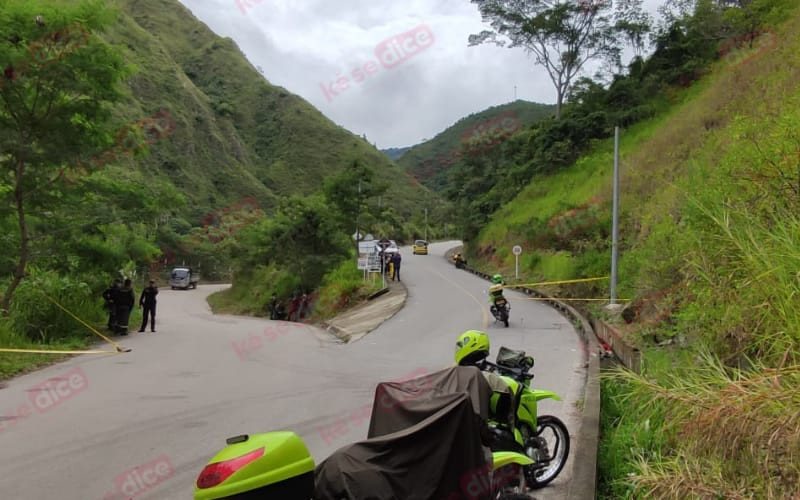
x=327 y=51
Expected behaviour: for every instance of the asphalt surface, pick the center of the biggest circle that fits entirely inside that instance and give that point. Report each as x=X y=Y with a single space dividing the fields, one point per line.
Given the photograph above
x=145 y=423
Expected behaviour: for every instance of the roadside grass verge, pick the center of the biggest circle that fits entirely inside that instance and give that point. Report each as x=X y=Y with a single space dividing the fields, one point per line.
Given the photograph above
x=341 y=288
x=722 y=432
x=36 y=323
x=13 y=364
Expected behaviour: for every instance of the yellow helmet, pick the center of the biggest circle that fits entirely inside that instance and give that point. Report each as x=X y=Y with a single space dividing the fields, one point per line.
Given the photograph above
x=472 y=346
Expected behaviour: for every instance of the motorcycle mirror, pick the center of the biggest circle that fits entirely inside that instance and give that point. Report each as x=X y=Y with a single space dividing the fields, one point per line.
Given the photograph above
x=237 y=439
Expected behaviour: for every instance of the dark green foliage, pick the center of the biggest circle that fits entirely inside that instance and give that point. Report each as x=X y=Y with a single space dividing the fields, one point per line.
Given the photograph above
x=350 y=192
x=428 y=163
x=300 y=244
x=58 y=84
x=43 y=321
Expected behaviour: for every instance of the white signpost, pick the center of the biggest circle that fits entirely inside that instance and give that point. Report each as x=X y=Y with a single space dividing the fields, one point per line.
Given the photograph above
x=516 y=250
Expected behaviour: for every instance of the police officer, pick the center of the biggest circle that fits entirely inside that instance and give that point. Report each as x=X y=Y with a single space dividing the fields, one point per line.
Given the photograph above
x=123 y=303
x=147 y=301
x=109 y=294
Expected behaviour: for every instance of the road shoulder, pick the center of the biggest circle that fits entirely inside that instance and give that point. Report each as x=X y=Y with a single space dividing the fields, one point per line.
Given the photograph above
x=357 y=322
x=584 y=464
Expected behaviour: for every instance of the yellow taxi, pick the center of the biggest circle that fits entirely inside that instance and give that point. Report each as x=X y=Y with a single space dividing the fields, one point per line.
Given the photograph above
x=420 y=247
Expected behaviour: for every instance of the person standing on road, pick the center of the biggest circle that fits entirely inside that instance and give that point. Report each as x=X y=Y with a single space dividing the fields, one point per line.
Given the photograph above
x=123 y=302
x=109 y=294
x=147 y=301
x=293 y=305
x=396 y=258
x=301 y=314
x=273 y=307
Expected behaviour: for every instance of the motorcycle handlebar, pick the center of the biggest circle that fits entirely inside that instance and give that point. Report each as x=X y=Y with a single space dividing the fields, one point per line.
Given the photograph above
x=517 y=373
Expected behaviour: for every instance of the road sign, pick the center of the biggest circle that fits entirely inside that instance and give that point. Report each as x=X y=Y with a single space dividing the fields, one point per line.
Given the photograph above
x=367 y=247
x=374 y=263
x=517 y=250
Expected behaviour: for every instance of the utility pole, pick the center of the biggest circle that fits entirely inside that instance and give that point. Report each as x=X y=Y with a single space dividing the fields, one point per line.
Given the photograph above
x=426 y=224
x=358 y=216
x=614 y=224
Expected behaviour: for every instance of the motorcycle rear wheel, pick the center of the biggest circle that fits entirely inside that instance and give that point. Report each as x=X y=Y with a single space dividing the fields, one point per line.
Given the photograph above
x=554 y=433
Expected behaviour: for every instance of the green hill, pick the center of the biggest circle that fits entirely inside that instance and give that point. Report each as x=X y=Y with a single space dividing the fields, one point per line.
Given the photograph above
x=396 y=153
x=236 y=135
x=709 y=232
x=472 y=135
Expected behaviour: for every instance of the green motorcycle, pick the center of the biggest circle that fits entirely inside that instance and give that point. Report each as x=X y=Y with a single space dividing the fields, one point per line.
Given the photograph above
x=544 y=439
x=428 y=438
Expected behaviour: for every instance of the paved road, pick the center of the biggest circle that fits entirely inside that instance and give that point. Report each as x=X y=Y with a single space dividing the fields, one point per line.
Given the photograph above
x=147 y=421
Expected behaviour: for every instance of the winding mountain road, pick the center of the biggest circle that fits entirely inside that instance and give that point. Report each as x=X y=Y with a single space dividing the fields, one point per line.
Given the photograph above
x=143 y=424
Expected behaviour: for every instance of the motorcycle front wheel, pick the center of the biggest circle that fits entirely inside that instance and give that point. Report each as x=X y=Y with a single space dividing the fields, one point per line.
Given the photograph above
x=548 y=448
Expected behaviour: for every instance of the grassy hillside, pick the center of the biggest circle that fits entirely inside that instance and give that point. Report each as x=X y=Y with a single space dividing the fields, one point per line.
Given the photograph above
x=709 y=239
x=429 y=161
x=235 y=134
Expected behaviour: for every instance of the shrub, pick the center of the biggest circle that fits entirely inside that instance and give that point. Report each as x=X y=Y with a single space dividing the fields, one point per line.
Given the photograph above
x=35 y=316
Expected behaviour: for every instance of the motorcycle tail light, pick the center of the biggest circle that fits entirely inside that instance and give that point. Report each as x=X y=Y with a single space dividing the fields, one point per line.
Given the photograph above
x=216 y=473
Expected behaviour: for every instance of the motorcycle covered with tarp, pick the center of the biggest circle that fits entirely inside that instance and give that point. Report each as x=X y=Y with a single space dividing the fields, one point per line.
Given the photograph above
x=428 y=438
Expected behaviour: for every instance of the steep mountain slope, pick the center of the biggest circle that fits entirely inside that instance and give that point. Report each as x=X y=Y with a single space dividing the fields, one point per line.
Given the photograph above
x=471 y=135
x=708 y=256
x=235 y=135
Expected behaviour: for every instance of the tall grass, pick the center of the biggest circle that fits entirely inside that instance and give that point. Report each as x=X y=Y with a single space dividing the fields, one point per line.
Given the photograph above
x=732 y=429
x=731 y=433
x=343 y=287
x=35 y=316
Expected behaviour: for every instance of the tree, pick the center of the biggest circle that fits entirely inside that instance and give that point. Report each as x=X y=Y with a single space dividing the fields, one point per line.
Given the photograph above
x=348 y=191
x=301 y=239
x=55 y=88
x=563 y=35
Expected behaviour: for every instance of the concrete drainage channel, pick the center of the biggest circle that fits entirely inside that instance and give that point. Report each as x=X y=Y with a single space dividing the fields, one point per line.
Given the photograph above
x=584 y=473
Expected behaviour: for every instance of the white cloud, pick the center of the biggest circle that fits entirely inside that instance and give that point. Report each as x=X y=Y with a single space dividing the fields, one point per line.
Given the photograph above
x=304 y=45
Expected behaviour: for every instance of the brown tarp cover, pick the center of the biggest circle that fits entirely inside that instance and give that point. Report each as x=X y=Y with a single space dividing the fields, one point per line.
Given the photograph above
x=425 y=443
x=399 y=405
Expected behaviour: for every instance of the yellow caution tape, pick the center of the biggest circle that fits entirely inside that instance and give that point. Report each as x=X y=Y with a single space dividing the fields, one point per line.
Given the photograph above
x=556 y=282
x=564 y=299
x=42 y=351
x=87 y=325
x=117 y=347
